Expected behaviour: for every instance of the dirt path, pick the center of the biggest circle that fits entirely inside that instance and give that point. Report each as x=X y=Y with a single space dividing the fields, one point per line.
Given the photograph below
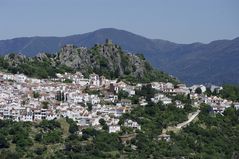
x=175 y=129
x=190 y=119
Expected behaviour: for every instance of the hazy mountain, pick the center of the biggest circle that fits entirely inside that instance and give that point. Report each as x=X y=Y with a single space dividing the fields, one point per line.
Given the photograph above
x=33 y=45
x=216 y=62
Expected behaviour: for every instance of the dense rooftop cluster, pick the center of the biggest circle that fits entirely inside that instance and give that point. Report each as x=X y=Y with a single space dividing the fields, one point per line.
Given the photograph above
x=87 y=100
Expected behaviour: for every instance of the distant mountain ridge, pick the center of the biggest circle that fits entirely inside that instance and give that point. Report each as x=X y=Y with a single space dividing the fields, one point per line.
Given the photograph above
x=215 y=63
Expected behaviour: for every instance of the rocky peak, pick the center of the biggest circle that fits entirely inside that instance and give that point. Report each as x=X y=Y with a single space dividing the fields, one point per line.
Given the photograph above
x=15 y=59
x=104 y=59
x=14 y=56
x=41 y=56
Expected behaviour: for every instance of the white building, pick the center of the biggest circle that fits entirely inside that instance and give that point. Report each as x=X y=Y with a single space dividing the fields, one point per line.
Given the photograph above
x=8 y=77
x=132 y=124
x=236 y=105
x=95 y=80
x=114 y=128
x=194 y=87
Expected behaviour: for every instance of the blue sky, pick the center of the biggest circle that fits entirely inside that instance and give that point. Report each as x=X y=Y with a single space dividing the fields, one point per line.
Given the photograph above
x=182 y=21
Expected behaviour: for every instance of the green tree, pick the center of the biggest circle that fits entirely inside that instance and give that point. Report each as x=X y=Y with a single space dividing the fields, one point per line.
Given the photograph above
x=39 y=137
x=102 y=122
x=198 y=90
x=147 y=91
x=122 y=94
x=45 y=104
x=73 y=128
x=89 y=106
x=230 y=92
x=3 y=142
x=36 y=94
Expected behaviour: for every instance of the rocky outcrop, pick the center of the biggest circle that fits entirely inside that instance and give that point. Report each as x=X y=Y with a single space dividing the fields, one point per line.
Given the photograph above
x=106 y=59
x=15 y=59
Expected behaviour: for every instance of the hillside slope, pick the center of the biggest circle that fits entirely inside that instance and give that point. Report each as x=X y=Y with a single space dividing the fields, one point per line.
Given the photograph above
x=106 y=59
x=214 y=63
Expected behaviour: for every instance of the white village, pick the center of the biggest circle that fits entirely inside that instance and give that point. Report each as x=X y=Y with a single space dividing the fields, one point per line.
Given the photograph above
x=89 y=100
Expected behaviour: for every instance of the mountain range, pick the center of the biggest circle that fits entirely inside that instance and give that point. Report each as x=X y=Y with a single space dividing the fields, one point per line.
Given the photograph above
x=214 y=63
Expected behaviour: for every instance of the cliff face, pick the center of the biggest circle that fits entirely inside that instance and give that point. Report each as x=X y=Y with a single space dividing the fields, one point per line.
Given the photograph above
x=106 y=59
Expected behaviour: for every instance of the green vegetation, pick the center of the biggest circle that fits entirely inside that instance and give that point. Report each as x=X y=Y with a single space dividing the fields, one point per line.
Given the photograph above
x=198 y=90
x=45 y=104
x=67 y=81
x=211 y=136
x=14 y=136
x=73 y=128
x=154 y=117
x=150 y=75
x=36 y=94
x=45 y=140
x=105 y=60
x=230 y=92
x=121 y=65
x=33 y=67
x=29 y=140
x=103 y=124
x=122 y=94
x=91 y=91
x=92 y=144
x=89 y=106
x=147 y=92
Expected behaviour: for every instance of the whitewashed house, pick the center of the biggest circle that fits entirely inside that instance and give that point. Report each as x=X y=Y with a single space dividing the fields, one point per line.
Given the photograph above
x=114 y=128
x=20 y=78
x=236 y=105
x=132 y=124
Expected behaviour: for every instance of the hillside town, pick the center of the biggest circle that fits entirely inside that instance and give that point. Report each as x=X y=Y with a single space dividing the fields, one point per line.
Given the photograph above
x=89 y=100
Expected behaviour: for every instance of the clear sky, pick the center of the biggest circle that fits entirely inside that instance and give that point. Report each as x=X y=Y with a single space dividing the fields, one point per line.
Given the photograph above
x=182 y=21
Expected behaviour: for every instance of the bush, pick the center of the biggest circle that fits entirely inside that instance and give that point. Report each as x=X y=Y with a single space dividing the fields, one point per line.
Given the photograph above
x=40 y=150
x=49 y=124
x=3 y=142
x=122 y=94
x=52 y=137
